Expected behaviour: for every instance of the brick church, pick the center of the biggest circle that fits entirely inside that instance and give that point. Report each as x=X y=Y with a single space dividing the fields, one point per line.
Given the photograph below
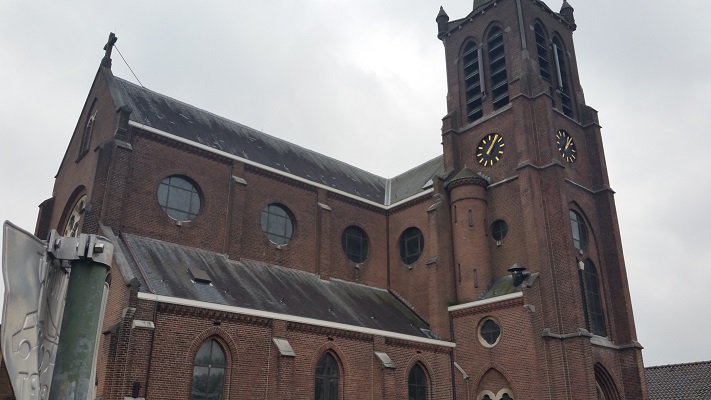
x=247 y=267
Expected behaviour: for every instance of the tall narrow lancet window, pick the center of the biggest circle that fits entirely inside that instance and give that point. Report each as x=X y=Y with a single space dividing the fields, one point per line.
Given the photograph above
x=209 y=372
x=473 y=88
x=417 y=384
x=497 y=68
x=542 y=49
x=326 y=387
x=579 y=231
x=566 y=99
x=88 y=130
x=594 y=311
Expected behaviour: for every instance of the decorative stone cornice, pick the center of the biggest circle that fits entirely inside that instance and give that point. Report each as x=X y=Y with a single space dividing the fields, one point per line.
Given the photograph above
x=325 y=331
x=418 y=346
x=487 y=308
x=214 y=315
x=279 y=178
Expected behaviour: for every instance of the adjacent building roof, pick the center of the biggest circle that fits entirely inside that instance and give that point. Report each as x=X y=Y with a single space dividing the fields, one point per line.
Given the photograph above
x=679 y=381
x=202 y=127
x=171 y=270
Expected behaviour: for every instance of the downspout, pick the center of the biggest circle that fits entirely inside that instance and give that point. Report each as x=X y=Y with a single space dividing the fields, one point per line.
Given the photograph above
x=387 y=231
x=451 y=357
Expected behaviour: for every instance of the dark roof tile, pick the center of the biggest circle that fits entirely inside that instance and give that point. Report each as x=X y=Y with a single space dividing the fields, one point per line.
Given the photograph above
x=679 y=381
x=259 y=286
x=188 y=122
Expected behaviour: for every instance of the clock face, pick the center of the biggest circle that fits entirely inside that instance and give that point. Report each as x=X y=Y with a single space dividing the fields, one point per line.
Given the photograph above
x=566 y=146
x=490 y=149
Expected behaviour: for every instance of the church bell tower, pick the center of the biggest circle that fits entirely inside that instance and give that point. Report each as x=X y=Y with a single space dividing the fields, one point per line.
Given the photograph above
x=543 y=308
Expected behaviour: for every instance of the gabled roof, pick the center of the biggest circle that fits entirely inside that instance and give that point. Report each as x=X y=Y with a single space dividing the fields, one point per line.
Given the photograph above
x=679 y=381
x=174 y=117
x=415 y=180
x=175 y=271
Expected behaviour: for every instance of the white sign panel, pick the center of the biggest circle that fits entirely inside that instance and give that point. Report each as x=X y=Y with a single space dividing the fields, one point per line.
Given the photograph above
x=35 y=289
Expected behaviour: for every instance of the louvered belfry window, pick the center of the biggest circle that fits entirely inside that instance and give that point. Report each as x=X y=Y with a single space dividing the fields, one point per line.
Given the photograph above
x=563 y=78
x=544 y=65
x=497 y=68
x=472 y=81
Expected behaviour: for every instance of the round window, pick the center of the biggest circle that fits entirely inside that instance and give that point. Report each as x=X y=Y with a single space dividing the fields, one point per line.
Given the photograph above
x=499 y=229
x=277 y=223
x=411 y=244
x=179 y=198
x=355 y=244
x=489 y=332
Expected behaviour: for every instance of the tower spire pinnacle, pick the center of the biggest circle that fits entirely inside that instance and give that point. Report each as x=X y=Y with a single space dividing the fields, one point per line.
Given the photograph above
x=566 y=10
x=442 y=20
x=106 y=61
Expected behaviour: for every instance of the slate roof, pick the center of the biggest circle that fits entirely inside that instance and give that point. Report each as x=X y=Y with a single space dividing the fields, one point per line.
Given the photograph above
x=196 y=125
x=679 y=381
x=415 y=180
x=164 y=268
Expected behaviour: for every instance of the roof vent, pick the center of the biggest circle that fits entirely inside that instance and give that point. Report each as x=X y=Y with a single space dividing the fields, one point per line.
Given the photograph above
x=199 y=275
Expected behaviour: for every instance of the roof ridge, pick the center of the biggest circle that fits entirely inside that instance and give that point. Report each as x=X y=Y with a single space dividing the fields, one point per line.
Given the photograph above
x=678 y=365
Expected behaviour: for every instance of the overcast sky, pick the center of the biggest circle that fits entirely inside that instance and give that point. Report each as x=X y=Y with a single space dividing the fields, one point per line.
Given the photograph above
x=363 y=81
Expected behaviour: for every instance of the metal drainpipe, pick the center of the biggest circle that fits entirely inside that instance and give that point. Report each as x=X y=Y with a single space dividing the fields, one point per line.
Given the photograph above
x=387 y=246
x=451 y=358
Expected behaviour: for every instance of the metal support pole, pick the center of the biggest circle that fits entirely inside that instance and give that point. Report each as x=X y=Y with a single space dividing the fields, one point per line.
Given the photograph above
x=74 y=368
x=75 y=365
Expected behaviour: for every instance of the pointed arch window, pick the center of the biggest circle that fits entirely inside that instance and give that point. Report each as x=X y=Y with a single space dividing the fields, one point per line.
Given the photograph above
x=209 y=372
x=497 y=68
x=88 y=130
x=580 y=232
x=594 y=312
x=605 y=385
x=473 y=85
x=417 y=384
x=73 y=224
x=542 y=49
x=566 y=99
x=326 y=387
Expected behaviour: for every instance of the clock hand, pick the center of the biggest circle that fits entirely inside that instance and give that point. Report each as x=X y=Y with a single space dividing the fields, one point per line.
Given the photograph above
x=493 y=141
x=567 y=143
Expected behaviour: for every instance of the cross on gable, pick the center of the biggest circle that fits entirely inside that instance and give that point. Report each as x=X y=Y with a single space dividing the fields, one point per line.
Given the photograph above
x=106 y=61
